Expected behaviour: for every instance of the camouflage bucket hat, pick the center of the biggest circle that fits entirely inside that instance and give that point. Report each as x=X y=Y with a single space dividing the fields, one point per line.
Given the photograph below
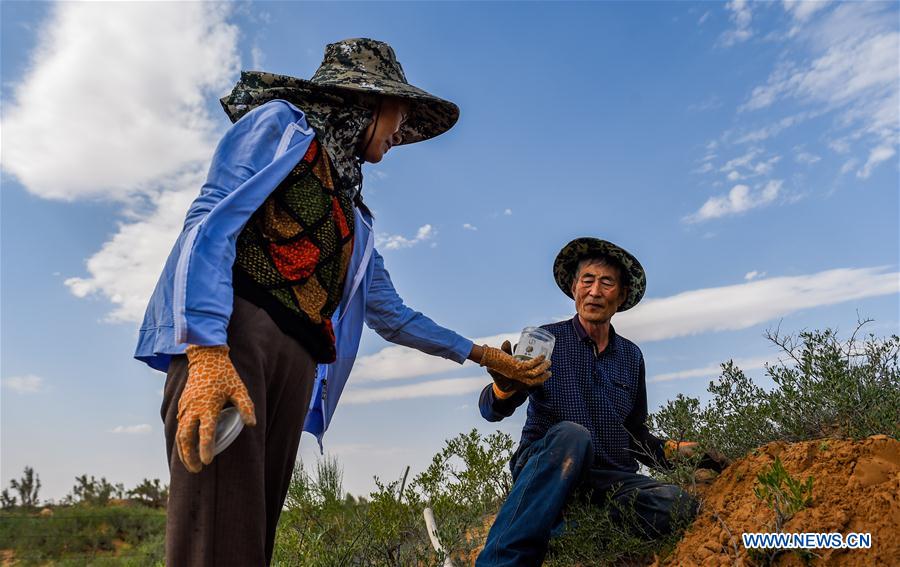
x=567 y=260
x=355 y=66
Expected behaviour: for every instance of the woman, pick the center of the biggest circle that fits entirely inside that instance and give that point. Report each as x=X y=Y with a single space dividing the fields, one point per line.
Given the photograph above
x=262 y=300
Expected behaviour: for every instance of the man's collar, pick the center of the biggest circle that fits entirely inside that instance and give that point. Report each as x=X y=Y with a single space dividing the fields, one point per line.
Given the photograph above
x=583 y=335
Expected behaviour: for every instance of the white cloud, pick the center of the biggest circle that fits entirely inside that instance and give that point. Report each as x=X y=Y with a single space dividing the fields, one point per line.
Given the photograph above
x=712 y=102
x=749 y=166
x=28 y=384
x=726 y=308
x=744 y=305
x=703 y=18
x=741 y=16
x=876 y=156
x=772 y=130
x=807 y=158
x=742 y=161
x=123 y=123
x=258 y=57
x=849 y=68
x=712 y=371
x=396 y=241
x=849 y=165
x=840 y=146
x=802 y=10
x=705 y=168
x=126 y=268
x=507 y=212
x=115 y=97
x=468 y=226
x=133 y=429
x=431 y=388
x=749 y=276
x=741 y=198
x=765 y=167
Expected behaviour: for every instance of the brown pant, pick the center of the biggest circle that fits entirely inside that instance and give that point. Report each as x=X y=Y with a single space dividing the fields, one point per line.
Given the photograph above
x=227 y=513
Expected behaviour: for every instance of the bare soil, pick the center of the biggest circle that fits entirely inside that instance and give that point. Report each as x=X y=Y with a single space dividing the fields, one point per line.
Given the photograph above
x=856 y=488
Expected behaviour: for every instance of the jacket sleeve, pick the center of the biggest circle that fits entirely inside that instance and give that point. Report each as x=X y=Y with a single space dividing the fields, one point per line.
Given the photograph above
x=494 y=409
x=646 y=447
x=247 y=147
x=242 y=174
x=387 y=315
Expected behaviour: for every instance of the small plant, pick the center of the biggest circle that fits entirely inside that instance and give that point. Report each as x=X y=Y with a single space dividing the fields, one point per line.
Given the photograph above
x=782 y=492
x=786 y=496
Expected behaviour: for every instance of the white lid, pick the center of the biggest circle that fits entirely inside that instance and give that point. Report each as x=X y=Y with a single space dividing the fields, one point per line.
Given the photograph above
x=228 y=427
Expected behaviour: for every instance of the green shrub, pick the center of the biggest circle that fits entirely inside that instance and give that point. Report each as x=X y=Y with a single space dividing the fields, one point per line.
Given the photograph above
x=594 y=536
x=150 y=493
x=93 y=492
x=27 y=488
x=465 y=481
x=823 y=388
x=74 y=533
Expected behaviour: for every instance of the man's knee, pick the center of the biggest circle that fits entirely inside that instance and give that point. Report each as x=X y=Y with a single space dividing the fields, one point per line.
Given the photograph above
x=670 y=508
x=570 y=443
x=570 y=435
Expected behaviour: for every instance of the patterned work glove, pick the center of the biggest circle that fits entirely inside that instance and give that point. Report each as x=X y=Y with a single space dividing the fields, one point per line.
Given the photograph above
x=511 y=375
x=712 y=459
x=212 y=381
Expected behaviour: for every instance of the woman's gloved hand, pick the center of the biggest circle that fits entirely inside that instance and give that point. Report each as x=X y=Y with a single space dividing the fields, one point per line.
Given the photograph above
x=212 y=381
x=511 y=375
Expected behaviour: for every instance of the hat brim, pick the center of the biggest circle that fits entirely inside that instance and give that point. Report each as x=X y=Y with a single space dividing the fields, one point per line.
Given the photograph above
x=574 y=252
x=429 y=116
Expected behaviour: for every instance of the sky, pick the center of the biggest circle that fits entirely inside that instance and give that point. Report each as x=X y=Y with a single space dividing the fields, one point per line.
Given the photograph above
x=745 y=153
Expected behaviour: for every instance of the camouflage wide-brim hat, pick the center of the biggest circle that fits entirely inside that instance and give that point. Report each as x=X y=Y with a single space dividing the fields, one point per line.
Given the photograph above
x=566 y=264
x=359 y=66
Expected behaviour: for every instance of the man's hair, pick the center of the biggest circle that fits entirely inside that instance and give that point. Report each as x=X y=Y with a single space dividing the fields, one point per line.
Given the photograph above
x=604 y=260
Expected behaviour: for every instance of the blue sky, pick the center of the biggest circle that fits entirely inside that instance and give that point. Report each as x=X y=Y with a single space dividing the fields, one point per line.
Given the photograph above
x=746 y=153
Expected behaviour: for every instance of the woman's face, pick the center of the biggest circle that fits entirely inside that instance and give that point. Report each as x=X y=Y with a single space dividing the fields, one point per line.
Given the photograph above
x=383 y=132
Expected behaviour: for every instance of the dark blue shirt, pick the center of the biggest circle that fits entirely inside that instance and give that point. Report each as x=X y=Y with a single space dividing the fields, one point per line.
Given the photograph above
x=603 y=391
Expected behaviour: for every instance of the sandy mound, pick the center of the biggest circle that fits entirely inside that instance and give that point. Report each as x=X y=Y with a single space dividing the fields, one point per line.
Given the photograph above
x=856 y=488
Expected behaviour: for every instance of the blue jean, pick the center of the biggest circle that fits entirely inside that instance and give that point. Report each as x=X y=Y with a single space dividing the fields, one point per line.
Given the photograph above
x=546 y=473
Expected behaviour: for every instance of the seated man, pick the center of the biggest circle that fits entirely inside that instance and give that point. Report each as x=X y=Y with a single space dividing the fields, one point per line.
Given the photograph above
x=585 y=426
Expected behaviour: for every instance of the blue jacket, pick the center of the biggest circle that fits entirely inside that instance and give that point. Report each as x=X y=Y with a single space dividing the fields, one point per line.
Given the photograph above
x=193 y=298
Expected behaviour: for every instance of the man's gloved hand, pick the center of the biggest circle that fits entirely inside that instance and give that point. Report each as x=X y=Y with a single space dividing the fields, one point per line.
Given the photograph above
x=679 y=449
x=511 y=375
x=714 y=460
x=711 y=459
x=212 y=381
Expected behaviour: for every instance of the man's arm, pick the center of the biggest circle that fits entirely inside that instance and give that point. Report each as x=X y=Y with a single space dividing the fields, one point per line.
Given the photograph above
x=495 y=408
x=646 y=447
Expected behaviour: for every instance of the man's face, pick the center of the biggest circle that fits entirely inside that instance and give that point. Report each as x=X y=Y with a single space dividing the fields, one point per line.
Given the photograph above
x=598 y=291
